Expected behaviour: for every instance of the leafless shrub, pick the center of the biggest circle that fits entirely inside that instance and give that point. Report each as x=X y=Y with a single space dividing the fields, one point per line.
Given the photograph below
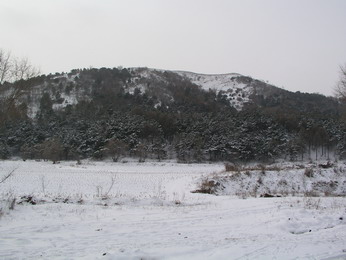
x=312 y=203
x=283 y=182
x=231 y=167
x=2 y=210
x=12 y=203
x=309 y=172
x=260 y=181
x=327 y=187
x=177 y=202
x=52 y=149
x=236 y=175
x=43 y=183
x=326 y=165
x=116 y=148
x=252 y=168
x=253 y=192
x=7 y=204
x=262 y=168
x=338 y=170
x=273 y=168
x=242 y=194
x=178 y=198
x=99 y=189
x=328 y=193
x=208 y=186
x=300 y=166
x=285 y=193
x=311 y=193
x=267 y=195
x=28 y=199
x=111 y=185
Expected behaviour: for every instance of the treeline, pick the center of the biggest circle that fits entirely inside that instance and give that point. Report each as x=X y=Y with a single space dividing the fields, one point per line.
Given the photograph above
x=173 y=118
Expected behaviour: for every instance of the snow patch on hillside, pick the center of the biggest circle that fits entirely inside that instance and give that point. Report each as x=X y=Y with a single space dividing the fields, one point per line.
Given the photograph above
x=62 y=91
x=234 y=87
x=230 y=85
x=212 y=81
x=139 y=77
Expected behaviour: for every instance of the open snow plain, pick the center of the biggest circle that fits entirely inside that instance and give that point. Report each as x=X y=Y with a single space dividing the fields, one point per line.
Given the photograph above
x=100 y=210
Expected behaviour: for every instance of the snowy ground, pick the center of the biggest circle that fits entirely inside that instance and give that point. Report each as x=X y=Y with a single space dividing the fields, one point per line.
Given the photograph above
x=100 y=210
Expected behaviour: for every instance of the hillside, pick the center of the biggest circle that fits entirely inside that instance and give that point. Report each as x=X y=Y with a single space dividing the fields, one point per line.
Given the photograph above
x=148 y=113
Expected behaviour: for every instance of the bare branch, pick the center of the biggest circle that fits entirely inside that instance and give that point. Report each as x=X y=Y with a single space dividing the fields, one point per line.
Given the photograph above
x=111 y=186
x=5 y=66
x=13 y=69
x=23 y=69
x=7 y=176
x=340 y=89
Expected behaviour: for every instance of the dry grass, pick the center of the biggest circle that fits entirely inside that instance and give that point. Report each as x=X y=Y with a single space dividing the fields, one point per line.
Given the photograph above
x=208 y=186
x=231 y=167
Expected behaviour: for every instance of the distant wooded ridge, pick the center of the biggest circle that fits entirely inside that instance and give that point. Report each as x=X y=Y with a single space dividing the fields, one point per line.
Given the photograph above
x=146 y=113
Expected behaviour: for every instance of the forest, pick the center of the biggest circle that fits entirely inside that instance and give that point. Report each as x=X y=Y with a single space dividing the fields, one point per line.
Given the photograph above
x=172 y=119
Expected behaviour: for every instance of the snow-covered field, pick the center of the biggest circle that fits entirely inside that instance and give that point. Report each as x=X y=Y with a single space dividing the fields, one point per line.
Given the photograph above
x=104 y=210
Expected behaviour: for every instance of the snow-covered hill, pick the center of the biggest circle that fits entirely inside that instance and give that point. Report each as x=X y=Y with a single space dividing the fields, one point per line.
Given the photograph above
x=68 y=89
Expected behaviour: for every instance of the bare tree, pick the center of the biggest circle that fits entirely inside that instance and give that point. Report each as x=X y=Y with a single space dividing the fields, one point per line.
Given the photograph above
x=116 y=148
x=52 y=149
x=13 y=69
x=340 y=89
x=5 y=66
x=23 y=69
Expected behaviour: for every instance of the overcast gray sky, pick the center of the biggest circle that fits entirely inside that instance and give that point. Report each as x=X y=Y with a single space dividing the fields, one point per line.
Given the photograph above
x=295 y=44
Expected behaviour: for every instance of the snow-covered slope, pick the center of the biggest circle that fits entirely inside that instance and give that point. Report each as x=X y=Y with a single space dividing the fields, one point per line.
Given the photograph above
x=62 y=89
x=236 y=88
x=232 y=85
x=219 y=82
x=71 y=88
x=57 y=93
